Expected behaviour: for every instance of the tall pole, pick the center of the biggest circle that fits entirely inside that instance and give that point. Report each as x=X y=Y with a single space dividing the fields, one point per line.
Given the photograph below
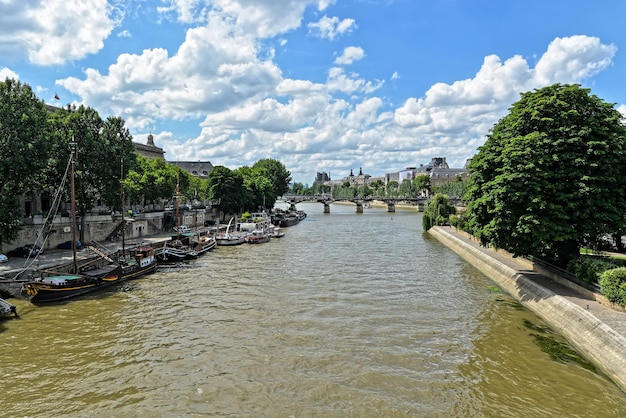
x=123 y=218
x=176 y=200
x=73 y=197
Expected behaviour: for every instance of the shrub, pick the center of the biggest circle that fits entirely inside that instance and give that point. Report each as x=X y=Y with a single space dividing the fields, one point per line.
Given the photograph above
x=437 y=212
x=589 y=269
x=613 y=284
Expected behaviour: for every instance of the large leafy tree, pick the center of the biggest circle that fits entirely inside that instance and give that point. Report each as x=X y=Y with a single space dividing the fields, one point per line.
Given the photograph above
x=422 y=183
x=24 y=146
x=150 y=181
x=551 y=175
x=258 y=189
x=278 y=175
x=226 y=186
x=116 y=140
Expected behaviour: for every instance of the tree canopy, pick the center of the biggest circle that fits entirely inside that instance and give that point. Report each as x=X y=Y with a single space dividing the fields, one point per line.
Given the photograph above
x=24 y=146
x=551 y=175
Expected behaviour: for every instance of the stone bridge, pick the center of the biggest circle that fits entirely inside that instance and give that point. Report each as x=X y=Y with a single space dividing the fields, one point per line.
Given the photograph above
x=360 y=202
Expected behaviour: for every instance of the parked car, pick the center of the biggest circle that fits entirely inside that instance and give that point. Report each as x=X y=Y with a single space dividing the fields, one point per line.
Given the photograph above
x=67 y=245
x=3 y=258
x=28 y=250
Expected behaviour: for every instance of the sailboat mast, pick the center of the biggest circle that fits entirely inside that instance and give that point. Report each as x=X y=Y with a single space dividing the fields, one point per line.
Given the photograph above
x=73 y=200
x=176 y=198
x=123 y=216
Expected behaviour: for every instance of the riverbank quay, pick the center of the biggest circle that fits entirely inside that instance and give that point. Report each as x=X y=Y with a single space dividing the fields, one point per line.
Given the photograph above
x=596 y=330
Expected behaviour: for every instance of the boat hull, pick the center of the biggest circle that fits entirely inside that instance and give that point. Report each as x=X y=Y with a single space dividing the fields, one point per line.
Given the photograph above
x=58 y=288
x=231 y=240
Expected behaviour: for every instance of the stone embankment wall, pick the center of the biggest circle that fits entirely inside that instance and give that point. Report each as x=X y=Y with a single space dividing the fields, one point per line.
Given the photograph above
x=100 y=227
x=600 y=343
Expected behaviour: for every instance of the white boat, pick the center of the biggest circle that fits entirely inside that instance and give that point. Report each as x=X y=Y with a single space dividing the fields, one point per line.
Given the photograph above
x=258 y=236
x=276 y=232
x=229 y=237
x=256 y=220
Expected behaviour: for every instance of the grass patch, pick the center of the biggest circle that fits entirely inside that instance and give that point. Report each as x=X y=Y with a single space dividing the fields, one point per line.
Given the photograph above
x=494 y=289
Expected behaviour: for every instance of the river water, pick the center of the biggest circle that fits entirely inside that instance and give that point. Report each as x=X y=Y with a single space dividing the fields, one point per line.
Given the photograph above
x=348 y=315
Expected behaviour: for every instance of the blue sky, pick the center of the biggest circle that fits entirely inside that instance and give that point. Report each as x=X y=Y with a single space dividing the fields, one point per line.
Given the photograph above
x=321 y=85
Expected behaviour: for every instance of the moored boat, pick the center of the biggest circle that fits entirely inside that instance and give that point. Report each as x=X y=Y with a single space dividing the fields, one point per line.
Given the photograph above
x=203 y=243
x=173 y=251
x=258 y=236
x=139 y=262
x=230 y=236
x=276 y=232
x=56 y=287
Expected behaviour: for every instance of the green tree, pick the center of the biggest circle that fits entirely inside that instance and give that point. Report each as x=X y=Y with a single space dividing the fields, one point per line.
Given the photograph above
x=392 y=188
x=456 y=188
x=278 y=175
x=150 y=181
x=378 y=188
x=297 y=188
x=25 y=147
x=406 y=188
x=116 y=141
x=437 y=212
x=422 y=183
x=258 y=189
x=364 y=191
x=226 y=186
x=103 y=148
x=550 y=175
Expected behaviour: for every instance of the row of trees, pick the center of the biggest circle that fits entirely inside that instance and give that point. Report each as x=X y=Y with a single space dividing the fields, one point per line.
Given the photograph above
x=36 y=145
x=152 y=181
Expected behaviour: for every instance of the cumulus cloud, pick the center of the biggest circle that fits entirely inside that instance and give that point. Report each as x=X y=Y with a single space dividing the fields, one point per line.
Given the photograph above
x=350 y=55
x=573 y=59
x=331 y=27
x=54 y=31
x=8 y=73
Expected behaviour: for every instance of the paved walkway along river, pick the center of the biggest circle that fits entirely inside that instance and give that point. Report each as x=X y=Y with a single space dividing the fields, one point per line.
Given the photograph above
x=608 y=324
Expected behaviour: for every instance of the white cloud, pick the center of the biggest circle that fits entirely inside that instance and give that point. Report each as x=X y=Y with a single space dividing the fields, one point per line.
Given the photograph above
x=7 y=73
x=350 y=55
x=54 y=31
x=331 y=27
x=573 y=59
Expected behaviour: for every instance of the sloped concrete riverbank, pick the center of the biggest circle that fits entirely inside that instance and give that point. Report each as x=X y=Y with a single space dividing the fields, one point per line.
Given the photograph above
x=593 y=328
